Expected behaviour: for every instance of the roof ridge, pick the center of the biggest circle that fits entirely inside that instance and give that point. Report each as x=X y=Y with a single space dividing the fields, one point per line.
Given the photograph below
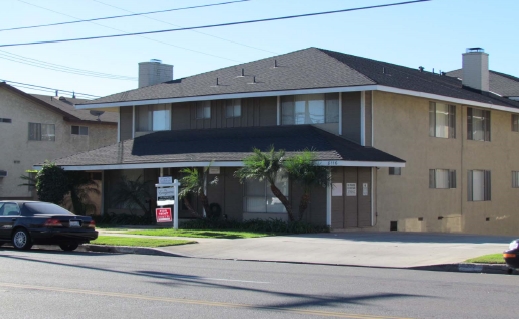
x=323 y=51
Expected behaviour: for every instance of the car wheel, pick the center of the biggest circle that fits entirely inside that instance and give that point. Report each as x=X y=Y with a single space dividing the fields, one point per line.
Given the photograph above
x=68 y=247
x=22 y=239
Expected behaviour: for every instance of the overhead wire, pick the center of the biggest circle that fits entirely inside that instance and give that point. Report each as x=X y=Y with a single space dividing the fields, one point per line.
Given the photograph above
x=44 y=87
x=200 y=32
x=119 y=16
x=210 y=25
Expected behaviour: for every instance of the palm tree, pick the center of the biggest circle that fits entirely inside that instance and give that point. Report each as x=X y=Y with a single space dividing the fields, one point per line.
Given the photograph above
x=133 y=194
x=194 y=183
x=266 y=166
x=301 y=168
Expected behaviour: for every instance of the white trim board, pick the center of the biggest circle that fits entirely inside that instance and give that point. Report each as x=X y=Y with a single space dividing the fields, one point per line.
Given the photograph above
x=215 y=164
x=374 y=87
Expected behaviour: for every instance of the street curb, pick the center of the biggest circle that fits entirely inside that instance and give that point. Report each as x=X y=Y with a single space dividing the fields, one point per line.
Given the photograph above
x=467 y=268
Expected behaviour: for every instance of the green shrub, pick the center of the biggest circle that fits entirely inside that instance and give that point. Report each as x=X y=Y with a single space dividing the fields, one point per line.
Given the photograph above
x=271 y=225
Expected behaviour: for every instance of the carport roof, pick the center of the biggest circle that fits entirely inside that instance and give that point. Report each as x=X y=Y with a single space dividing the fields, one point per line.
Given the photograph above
x=230 y=145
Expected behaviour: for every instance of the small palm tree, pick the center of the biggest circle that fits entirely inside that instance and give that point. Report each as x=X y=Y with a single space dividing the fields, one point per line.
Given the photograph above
x=301 y=168
x=194 y=183
x=266 y=166
x=133 y=194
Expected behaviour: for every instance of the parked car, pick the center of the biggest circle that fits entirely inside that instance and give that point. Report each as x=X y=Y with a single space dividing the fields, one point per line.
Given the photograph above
x=27 y=223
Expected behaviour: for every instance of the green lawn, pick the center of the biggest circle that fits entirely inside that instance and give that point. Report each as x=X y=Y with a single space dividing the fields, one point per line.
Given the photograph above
x=138 y=242
x=197 y=233
x=487 y=259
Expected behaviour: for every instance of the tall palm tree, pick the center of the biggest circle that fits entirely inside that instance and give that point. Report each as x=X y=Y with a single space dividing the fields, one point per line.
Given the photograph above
x=302 y=169
x=266 y=166
x=194 y=182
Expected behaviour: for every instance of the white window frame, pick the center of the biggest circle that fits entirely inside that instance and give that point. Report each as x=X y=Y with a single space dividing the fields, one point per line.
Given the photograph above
x=434 y=178
x=79 y=129
x=329 y=100
x=150 y=111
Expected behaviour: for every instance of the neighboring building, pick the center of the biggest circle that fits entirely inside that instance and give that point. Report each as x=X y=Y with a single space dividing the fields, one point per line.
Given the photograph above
x=35 y=128
x=408 y=150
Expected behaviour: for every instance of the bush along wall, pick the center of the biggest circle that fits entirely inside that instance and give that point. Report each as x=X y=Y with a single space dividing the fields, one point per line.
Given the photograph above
x=271 y=225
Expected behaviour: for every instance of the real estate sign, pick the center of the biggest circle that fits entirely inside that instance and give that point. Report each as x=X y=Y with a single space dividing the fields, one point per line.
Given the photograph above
x=163 y=215
x=165 y=196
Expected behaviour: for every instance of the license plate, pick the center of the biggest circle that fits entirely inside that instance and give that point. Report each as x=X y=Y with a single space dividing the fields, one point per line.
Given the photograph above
x=74 y=223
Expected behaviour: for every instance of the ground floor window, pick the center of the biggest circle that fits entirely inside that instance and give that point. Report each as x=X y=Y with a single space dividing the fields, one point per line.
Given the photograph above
x=515 y=179
x=479 y=185
x=259 y=197
x=395 y=171
x=442 y=178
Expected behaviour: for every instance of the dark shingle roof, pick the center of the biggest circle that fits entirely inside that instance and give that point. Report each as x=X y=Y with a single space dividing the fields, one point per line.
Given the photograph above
x=231 y=144
x=306 y=69
x=500 y=83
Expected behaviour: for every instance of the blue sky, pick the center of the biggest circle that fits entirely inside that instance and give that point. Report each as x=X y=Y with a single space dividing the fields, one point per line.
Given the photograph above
x=432 y=34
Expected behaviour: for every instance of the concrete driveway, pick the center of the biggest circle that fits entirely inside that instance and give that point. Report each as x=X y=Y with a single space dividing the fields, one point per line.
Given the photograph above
x=399 y=250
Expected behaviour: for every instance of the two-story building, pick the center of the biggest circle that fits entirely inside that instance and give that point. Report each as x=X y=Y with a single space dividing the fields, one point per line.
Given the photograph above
x=35 y=128
x=408 y=150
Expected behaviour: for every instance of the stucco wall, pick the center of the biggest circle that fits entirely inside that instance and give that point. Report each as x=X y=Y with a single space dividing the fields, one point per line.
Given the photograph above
x=401 y=128
x=18 y=154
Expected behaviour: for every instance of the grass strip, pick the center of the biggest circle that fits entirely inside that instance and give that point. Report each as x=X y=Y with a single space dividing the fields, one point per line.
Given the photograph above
x=138 y=242
x=487 y=259
x=198 y=233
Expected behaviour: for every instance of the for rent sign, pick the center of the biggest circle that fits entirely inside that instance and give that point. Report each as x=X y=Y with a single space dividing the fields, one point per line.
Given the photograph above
x=163 y=215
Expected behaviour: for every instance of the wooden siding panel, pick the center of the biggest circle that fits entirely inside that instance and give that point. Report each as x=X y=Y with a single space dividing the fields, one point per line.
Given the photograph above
x=350 y=202
x=126 y=123
x=233 y=195
x=351 y=116
x=364 y=201
x=180 y=116
x=338 y=201
x=268 y=111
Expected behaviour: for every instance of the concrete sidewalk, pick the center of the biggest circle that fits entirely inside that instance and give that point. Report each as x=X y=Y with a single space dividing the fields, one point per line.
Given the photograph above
x=393 y=250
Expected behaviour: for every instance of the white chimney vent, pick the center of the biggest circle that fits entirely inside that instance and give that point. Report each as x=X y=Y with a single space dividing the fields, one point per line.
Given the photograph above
x=475 y=69
x=154 y=72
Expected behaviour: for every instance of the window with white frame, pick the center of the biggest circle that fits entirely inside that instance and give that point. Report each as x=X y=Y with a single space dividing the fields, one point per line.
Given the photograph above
x=153 y=118
x=478 y=124
x=41 y=132
x=479 y=185
x=515 y=179
x=78 y=130
x=395 y=171
x=260 y=199
x=233 y=108
x=442 y=178
x=310 y=109
x=203 y=110
x=515 y=122
x=442 y=120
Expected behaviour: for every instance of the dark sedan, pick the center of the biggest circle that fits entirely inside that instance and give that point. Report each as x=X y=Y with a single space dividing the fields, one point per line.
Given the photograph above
x=27 y=223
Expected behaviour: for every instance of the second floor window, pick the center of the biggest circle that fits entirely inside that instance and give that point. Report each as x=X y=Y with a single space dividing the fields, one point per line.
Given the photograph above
x=442 y=178
x=153 y=118
x=41 y=132
x=310 y=109
x=233 y=108
x=442 y=120
x=203 y=110
x=515 y=122
x=478 y=124
x=79 y=130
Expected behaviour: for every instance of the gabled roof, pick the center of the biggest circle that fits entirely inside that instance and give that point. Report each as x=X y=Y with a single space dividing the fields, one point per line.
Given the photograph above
x=64 y=106
x=306 y=69
x=503 y=84
x=231 y=144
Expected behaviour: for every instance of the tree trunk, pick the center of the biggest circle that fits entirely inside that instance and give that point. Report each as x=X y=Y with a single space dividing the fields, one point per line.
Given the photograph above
x=205 y=203
x=190 y=208
x=283 y=200
x=303 y=204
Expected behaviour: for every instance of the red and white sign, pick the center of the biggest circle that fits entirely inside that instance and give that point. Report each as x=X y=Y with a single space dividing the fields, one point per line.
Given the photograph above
x=163 y=215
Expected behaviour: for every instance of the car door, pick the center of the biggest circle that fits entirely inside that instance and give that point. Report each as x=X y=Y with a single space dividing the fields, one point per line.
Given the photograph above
x=9 y=212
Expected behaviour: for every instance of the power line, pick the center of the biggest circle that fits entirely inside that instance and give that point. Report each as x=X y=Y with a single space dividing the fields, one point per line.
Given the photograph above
x=200 y=32
x=211 y=25
x=161 y=42
x=44 y=87
x=60 y=68
x=119 y=16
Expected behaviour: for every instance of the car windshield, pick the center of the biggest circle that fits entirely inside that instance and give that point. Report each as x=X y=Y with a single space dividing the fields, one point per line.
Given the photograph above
x=47 y=208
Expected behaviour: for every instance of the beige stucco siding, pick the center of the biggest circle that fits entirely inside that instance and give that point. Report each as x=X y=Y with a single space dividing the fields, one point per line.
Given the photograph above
x=401 y=128
x=18 y=154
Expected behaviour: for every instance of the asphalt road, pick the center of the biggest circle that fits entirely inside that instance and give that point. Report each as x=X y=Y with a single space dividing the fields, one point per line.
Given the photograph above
x=47 y=284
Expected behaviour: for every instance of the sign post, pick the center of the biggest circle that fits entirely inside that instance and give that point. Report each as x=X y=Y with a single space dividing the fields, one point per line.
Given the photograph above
x=167 y=194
